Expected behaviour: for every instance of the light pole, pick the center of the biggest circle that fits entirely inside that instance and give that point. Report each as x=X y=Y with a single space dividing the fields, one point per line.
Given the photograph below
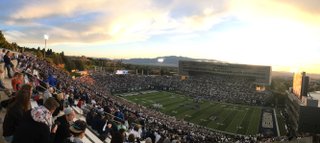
x=46 y=37
x=160 y=60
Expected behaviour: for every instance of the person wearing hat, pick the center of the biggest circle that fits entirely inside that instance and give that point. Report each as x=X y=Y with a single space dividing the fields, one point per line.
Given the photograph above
x=78 y=130
x=63 y=129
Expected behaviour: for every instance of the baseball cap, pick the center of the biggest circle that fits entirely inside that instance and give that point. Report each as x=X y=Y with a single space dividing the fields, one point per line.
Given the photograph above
x=68 y=111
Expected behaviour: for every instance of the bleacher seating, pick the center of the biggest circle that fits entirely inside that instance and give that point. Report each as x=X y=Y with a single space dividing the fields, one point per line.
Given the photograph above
x=86 y=140
x=33 y=103
x=77 y=109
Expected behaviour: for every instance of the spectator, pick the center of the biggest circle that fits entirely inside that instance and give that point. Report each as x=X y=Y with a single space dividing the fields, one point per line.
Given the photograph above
x=160 y=140
x=123 y=132
x=63 y=130
x=157 y=137
x=89 y=117
x=2 y=55
x=153 y=137
x=19 y=104
x=96 y=121
x=51 y=80
x=131 y=138
x=102 y=126
x=114 y=124
x=78 y=130
x=148 y=140
x=8 y=63
x=79 y=103
x=1 y=85
x=16 y=56
x=93 y=102
x=176 y=139
x=167 y=140
x=16 y=81
x=71 y=100
x=47 y=94
x=135 y=131
x=120 y=116
x=106 y=109
x=66 y=97
x=117 y=137
x=148 y=133
x=122 y=126
x=36 y=124
x=60 y=100
x=143 y=135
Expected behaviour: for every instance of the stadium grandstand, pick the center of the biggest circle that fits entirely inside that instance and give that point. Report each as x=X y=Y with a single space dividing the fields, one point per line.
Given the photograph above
x=88 y=99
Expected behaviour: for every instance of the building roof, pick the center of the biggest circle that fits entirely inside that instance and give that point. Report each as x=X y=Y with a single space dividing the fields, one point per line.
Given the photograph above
x=81 y=72
x=315 y=96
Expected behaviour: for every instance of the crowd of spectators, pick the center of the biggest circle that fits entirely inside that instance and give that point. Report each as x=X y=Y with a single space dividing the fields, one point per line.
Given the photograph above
x=220 y=88
x=112 y=116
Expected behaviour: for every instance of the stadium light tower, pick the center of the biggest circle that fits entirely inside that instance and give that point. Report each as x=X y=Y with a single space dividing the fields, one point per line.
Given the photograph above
x=46 y=37
x=160 y=60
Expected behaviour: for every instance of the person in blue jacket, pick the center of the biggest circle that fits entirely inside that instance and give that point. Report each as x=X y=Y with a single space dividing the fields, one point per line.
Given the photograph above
x=120 y=116
x=51 y=80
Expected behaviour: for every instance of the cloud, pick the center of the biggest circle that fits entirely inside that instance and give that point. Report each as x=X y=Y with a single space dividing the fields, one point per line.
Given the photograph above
x=112 y=21
x=180 y=37
x=117 y=22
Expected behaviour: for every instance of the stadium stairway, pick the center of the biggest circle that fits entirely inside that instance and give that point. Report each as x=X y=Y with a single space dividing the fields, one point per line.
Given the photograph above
x=3 y=96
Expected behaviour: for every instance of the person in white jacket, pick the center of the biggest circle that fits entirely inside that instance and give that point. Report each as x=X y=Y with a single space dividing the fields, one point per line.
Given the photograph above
x=47 y=94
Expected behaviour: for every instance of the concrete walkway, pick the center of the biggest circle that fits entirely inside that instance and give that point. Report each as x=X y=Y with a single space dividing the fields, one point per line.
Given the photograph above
x=3 y=96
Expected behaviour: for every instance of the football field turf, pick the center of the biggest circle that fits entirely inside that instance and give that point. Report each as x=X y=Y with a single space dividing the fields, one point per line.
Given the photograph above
x=232 y=118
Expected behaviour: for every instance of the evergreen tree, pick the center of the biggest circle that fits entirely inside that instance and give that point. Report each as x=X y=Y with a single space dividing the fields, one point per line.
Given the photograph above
x=39 y=54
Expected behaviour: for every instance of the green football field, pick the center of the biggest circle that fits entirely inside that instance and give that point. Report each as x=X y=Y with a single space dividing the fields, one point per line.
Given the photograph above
x=230 y=118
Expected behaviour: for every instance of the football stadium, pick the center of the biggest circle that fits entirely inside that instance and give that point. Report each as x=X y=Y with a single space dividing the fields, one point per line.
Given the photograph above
x=159 y=71
x=221 y=102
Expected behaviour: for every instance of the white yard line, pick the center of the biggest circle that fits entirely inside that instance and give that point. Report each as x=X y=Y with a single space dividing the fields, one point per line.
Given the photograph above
x=241 y=121
x=212 y=113
x=232 y=121
x=220 y=114
x=275 y=116
x=250 y=121
x=224 y=119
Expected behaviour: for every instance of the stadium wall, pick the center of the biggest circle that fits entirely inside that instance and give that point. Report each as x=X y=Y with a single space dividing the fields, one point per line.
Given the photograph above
x=262 y=74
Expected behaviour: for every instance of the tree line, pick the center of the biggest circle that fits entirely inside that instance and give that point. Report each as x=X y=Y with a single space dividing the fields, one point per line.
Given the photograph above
x=66 y=64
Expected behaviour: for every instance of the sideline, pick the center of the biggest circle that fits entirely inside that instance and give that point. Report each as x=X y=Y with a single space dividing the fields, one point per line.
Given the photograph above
x=275 y=116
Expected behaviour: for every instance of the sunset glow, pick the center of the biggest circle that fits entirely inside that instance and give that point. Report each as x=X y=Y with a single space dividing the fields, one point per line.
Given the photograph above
x=284 y=34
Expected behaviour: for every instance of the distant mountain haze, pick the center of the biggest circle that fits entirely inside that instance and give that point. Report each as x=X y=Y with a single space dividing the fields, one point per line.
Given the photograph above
x=173 y=61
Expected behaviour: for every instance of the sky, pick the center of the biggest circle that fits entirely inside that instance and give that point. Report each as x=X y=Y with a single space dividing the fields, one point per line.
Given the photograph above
x=284 y=34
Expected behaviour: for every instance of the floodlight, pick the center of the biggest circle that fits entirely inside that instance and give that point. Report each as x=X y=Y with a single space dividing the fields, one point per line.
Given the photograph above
x=160 y=60
x=46 y=37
